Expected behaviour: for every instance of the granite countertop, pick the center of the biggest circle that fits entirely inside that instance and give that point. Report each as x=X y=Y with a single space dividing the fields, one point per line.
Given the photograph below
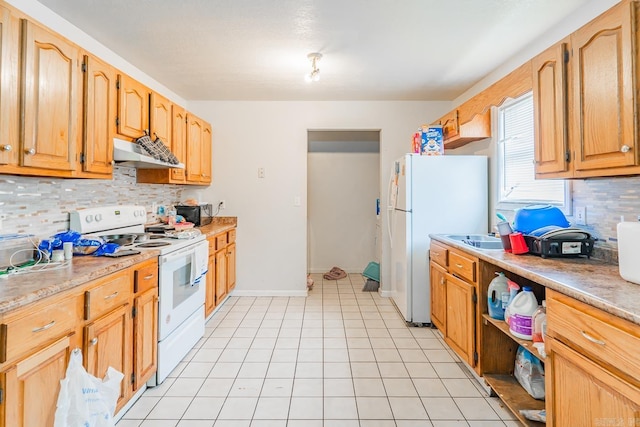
x=18 y=290
x=591 y=281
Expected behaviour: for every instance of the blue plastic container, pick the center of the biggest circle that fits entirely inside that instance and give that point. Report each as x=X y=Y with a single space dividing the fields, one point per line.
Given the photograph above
x=534 y=217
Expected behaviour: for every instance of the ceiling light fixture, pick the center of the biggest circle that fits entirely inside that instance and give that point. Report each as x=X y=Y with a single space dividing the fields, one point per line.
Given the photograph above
x=314 y=75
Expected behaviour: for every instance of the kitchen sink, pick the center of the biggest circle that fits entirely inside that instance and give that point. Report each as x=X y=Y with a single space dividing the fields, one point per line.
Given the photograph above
x=480 y=241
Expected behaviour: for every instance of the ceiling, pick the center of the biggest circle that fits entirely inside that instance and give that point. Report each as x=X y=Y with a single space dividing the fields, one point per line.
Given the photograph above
x=372 y=49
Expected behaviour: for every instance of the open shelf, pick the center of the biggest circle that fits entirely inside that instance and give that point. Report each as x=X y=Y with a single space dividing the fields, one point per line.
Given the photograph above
x=514 y=396
x=504 y=327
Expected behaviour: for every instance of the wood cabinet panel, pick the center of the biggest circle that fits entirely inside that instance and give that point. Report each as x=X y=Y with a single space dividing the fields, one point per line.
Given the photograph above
x=221 y=274
x=207 y=140
x=438 y=282
x=195 y=128
x=584 y=394
x=231 y=267
x=439 y=254
x=604 y=84
x=179 y=140
x=107 y=342
x=32 y=386
x=210 y=291
x=133 y=107
x=145 y=336
x=460 y=318
x=463 y=266
x=145 y=276
x=99 y=116
x=550 y=108
x=108 y=293
x=51 y=109
x=161 y=119
x=9 y=67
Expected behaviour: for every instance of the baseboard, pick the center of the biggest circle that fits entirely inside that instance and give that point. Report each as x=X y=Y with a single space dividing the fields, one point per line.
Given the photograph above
x=326 y=270
x=268 y=293
x=386 y=294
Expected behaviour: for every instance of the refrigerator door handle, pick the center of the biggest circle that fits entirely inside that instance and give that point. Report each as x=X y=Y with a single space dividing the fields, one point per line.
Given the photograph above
x=391 y=203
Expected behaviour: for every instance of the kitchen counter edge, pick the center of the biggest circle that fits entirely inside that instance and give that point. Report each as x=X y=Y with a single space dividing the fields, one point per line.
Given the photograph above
x=591 y=281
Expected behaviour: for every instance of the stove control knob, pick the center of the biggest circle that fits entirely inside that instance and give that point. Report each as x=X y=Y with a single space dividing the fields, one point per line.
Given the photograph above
x=89 y=218
x=98 y=217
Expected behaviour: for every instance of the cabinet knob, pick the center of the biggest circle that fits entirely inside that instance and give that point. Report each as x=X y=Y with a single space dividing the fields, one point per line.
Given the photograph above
x=442 y=280
x=30 y=151
x=625 y=148
x=6 y=147
x=94 y=341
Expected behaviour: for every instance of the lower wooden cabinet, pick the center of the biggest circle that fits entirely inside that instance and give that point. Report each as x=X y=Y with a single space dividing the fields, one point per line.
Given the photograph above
x=438 y=283
x=221 y=274
x=31 y=386
x=145 y=337
x=460 y=318
x=221 y=278
x=231 y=267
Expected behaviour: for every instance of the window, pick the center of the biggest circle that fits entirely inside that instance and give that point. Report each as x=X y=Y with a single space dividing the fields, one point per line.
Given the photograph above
x=516 y=175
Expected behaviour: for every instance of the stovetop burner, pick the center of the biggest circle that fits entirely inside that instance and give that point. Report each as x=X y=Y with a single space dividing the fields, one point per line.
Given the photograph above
x=152 y=245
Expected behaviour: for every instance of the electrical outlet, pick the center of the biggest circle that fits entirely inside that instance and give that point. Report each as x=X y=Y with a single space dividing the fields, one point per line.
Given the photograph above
x=154 y=208
x=580 y=215
x=260 y=172
x=223 y=204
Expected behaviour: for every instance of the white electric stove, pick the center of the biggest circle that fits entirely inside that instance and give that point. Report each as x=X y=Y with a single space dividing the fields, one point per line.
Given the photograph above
x=183 y=264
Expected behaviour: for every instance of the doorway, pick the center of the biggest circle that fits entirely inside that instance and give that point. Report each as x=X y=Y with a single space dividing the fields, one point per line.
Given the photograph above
x=343 y=187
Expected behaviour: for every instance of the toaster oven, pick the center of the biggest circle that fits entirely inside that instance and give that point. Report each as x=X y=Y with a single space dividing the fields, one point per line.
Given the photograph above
x=198 y=215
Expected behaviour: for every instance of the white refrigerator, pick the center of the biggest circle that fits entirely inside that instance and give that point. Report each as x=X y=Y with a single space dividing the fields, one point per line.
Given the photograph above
x=430 y=195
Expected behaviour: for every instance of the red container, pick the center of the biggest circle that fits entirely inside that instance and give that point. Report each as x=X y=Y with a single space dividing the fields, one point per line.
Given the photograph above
x=518 y=245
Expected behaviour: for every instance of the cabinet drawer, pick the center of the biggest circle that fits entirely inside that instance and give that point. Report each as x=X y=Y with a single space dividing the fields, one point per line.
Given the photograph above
x=39 y=327
x=110 y=292
x=231 y=236
x=439 y=254
x=221 y=241
x=212 y=244
x=463 y=266
x=594 y=333
x=145 y=277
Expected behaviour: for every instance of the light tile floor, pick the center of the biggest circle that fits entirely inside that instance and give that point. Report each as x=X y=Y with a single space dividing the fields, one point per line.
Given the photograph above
x=339 y=358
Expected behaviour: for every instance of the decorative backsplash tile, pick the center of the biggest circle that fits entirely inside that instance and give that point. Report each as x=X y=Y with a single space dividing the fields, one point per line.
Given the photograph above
x=41 y=206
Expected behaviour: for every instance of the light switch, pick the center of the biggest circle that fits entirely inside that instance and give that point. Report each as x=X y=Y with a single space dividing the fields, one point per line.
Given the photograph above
x=580 y=215
x=296 y=201
x=260 y=172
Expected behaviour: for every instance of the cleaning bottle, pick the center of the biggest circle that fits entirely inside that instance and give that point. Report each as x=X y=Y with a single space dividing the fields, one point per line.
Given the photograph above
x=540 y=323
x=522 y=308
x=507 y=298
x=498 y=290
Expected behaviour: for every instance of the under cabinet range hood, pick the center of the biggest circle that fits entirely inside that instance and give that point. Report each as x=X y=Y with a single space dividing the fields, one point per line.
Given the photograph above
x=130 y=154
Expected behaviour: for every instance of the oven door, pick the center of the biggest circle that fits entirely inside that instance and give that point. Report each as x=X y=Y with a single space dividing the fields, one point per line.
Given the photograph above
x=181 y=287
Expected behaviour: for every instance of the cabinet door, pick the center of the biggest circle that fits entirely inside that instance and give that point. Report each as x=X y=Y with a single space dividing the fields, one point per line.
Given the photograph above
x=604 y=91
x=99 y=115
x=551 y=150
x=206 y=154
x=210 y=292
x=9 y=44
x=51 y=109
x=107 y=342
x=145 y=337
x=461 y=318
x=438 y=282
x=195 y=128
x=450 y=125
x=179 y=140
x=32 y=385
x=221 y=275
x=583 y=393
x=161 y=119
x=231 y=267
x=133 y=107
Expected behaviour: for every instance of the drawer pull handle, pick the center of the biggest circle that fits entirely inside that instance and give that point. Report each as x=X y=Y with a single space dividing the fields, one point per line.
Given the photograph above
x=94 y=341
x=442 y=280
x=45 y=327
x=113 y=295
x=459 y=265
x=148 y=277
x=592 y=339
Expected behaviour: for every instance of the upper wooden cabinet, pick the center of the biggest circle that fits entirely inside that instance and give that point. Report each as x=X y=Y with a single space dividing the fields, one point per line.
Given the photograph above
x=198 y=150
x=179 y=140
x=133 y=107
x=99 y=116
x=51 y=119
x=457 y=134
x=9 y=56
x=161 y=118
x=592 y=96
x=550 y=110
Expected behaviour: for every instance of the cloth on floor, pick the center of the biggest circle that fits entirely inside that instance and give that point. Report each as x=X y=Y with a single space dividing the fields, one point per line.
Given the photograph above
x=335 y=273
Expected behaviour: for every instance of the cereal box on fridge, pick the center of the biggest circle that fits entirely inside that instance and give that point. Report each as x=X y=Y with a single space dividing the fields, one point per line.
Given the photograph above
x=432 y=141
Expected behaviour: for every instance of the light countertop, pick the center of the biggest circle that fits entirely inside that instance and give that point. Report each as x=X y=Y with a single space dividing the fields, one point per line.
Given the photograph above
x=591 y=281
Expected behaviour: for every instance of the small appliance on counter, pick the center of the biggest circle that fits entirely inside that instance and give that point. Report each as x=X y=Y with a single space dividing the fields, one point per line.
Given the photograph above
x=199 y=214
x=555 y=241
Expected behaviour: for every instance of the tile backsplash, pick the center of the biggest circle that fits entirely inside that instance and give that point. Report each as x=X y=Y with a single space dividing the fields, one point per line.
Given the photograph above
x=41 y=205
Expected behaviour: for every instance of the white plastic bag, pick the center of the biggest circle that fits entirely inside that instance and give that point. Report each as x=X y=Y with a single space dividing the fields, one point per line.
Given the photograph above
x=530 y=373
x=84 y=400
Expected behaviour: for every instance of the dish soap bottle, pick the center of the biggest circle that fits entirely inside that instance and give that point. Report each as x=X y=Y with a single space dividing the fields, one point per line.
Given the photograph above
x=522 y=308
x=506 y=299
x=497 y=293
x=540 y=323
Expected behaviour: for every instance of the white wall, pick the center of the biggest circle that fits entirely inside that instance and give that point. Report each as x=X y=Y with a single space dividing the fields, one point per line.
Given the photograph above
x=342 y=190
x=272 y=232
